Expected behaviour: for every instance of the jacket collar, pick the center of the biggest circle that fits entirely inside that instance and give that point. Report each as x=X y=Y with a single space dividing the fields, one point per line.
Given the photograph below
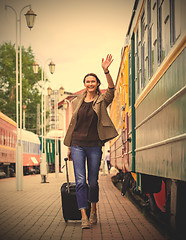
x=82 y=96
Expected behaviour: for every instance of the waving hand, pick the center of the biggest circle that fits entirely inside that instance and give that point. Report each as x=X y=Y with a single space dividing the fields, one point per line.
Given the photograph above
x=106 y=63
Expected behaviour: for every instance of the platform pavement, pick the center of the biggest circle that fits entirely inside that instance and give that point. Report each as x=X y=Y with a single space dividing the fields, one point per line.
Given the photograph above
x=35 y=213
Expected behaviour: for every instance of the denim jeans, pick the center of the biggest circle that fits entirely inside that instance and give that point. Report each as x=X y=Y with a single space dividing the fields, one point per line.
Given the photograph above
x=93 y=156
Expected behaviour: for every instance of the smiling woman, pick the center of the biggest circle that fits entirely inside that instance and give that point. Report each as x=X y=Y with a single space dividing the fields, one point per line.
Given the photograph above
x=89 y=129
x=92 y=83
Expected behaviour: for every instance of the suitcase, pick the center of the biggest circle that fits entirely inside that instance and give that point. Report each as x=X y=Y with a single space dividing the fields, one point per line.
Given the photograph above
x=69 y=201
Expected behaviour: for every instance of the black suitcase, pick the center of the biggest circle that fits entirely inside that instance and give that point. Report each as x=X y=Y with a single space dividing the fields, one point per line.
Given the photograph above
x=69 y=202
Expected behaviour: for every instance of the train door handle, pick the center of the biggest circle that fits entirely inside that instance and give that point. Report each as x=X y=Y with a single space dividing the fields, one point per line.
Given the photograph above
x=129 y=139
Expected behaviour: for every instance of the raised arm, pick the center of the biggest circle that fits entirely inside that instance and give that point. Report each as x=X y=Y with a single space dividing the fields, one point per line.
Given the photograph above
x=105 y=65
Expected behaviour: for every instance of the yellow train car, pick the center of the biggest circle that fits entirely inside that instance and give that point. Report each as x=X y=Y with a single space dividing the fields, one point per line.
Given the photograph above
x=119 y=114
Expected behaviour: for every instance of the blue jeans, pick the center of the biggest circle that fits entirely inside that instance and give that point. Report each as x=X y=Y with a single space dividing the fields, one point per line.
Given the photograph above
x=93 y=155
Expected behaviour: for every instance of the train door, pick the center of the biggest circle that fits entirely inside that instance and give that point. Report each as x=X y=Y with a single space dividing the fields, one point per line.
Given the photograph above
x=132 y=118
x=125 y=144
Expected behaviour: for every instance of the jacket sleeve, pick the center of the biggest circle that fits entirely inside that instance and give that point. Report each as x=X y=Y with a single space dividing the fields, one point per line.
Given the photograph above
x=109 y=95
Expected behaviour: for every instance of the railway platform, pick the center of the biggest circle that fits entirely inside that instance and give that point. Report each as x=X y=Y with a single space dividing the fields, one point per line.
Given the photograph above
x=35 y=213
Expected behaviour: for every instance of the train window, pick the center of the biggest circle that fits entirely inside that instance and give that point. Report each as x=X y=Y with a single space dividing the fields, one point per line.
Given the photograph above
x=143 y=50
x=36 y=149
x=31 y=147
x=168 y=25
x=149 y=39
x=163 y=24
x=13 y=140
x=24 y=150
x=175 y=21
x=172 y=21
x=24 y=146
x=159 y=27
x=154 y=35
x=9 y=139
x=6 y=138
x=3 y=137
x=177 y=11
x=137 y=62
x=165 y=45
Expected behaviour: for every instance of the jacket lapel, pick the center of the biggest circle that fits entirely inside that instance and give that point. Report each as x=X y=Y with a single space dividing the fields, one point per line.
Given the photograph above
x=99 y=98
x=79 y=101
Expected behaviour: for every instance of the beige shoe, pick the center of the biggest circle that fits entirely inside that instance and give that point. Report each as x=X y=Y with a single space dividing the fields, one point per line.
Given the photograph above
x=85 y=223
x=93 y=218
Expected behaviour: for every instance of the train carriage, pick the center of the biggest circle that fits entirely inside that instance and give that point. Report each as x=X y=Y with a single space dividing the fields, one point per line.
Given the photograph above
x=8 y=140
x=31 y=152
x=149 y=111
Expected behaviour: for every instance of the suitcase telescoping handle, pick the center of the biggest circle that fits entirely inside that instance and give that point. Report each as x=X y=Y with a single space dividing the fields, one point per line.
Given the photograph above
x=68 y=188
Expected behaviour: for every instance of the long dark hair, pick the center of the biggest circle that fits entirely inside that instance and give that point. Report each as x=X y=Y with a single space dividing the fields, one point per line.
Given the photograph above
x=97 y=79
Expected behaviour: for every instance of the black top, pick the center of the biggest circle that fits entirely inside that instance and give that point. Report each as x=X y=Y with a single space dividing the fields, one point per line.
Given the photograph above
x=85 y=133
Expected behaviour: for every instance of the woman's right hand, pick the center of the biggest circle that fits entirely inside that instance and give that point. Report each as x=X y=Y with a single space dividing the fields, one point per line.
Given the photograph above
x=69 y=154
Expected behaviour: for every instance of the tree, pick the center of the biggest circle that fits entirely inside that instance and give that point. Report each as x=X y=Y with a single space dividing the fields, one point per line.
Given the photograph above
x=30 y=82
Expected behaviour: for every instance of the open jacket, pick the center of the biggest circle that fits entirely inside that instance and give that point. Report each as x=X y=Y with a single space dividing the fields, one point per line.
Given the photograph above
x=106 y=129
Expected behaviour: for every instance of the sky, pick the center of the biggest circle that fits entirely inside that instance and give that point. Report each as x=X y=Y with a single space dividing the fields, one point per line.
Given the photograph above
x=75 y=34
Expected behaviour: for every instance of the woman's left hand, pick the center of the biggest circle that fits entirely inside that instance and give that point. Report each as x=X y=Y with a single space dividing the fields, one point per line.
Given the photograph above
x=106 y=63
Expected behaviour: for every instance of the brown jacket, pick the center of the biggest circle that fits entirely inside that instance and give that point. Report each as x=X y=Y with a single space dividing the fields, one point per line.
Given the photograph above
x=106 y=129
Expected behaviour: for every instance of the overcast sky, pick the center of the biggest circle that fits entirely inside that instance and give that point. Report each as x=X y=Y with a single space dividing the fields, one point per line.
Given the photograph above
x=76 y=34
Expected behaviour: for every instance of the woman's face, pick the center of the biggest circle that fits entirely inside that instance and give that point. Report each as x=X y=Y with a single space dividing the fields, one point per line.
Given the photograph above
x=91 y=84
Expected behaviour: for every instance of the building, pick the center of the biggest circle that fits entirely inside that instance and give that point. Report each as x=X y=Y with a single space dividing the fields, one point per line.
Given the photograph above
x=55 y=119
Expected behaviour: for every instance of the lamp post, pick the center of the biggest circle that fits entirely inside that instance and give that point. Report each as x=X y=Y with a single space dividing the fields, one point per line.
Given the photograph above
x=30 y=18
x=43 y=163
x=24 y=108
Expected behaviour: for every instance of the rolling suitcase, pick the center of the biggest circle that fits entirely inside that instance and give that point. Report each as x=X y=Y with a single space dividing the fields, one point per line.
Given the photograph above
x=69 y=202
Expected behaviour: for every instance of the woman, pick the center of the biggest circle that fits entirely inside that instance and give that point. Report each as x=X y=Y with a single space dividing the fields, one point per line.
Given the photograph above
x=89 y=129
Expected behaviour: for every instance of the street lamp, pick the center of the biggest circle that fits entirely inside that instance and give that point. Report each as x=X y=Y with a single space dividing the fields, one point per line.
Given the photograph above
x=35 y=66
x=19 y=147
x=51 y=67
x=30 y=18
x=49 y=90
x=43 y=163
x=61 y=90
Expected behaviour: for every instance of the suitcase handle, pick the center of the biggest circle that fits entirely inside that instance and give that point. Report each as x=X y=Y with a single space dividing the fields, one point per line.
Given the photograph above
x=68 y=188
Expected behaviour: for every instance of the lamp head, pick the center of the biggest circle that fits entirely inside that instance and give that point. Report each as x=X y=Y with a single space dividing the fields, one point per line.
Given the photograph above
x=30 y=18
x=61 y=90
x=51 y=67
x=35 y=66
x=49 y=90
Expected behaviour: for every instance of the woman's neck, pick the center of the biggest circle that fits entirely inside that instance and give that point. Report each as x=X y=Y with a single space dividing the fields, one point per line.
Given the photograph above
x=90 y=96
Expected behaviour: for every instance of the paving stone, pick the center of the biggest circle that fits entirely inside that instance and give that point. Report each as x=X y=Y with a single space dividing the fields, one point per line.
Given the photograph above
x=35 y=213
